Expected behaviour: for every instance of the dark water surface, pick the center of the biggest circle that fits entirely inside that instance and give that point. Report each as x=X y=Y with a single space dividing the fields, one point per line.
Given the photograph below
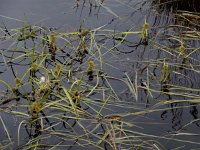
x=177 y=120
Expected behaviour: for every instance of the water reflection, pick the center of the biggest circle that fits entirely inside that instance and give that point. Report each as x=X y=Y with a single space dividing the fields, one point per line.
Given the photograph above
x=180 y=12
x=195 y=113
x=175 y=5
x=94 y=7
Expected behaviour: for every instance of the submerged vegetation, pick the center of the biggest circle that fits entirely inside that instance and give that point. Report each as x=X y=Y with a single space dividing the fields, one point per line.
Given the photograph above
x=67 y=89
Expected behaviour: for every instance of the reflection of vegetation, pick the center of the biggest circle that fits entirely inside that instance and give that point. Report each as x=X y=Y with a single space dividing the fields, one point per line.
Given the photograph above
x=174 y=5
x=180 y=12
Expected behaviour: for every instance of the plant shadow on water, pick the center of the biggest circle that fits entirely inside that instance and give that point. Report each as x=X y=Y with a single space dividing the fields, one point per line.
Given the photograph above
x=67 y=90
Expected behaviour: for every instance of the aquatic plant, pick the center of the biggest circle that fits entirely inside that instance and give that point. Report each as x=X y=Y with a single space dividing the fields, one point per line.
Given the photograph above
x=67 y=96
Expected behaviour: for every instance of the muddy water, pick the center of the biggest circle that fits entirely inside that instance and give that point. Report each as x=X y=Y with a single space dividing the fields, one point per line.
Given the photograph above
x=118 y=15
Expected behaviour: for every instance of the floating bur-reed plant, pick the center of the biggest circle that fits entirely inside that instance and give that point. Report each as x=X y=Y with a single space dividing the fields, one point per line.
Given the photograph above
x=52 y=45
x=144 y=33
x=182 y=49
x=90 y=70
x=35 y=109
x=166 y=72
x=57 y=70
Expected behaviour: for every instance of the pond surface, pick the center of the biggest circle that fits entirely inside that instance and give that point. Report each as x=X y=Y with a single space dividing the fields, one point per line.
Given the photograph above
x=152 y=81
